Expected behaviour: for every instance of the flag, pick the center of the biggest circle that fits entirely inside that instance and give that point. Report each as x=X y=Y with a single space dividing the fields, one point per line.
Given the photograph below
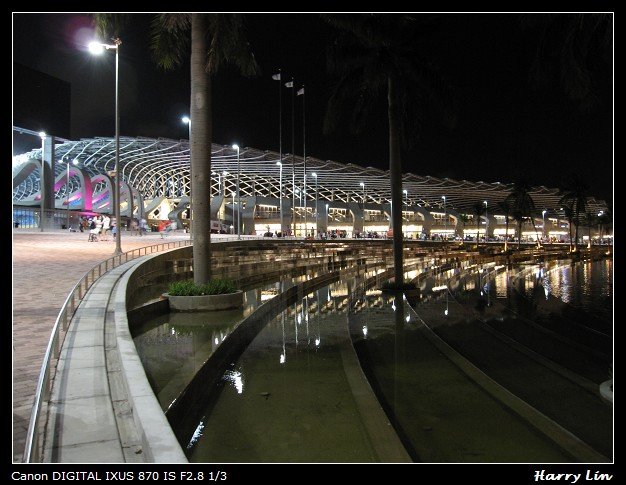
x=300 y=91
x=289 y=84
x=276 y=77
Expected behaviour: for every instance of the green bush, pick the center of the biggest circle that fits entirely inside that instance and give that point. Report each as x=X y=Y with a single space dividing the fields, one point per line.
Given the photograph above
x=213 y=287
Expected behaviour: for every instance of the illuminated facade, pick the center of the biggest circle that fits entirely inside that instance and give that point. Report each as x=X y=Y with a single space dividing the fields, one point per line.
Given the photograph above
x=321 y=196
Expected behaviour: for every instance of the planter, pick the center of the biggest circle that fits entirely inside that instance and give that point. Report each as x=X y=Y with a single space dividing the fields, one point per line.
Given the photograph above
x=205 y=303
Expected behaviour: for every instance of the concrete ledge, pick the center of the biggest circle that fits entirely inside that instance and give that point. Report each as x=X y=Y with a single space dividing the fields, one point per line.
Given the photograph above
x=158 y=440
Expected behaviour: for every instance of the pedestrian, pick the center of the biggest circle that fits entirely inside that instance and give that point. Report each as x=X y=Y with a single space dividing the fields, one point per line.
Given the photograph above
x=106 y=224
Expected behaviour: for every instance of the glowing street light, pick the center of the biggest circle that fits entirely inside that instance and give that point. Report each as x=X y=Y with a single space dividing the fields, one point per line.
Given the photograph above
x=236 y=147
x=42 y=135
x=314 y=174
x=187 y=121
x=98 y=48
x=75 y=162
x=280 y=197
x=326 y=217
x=487 y=228
x=543 y=224
x=362 y=184
x=445 y=218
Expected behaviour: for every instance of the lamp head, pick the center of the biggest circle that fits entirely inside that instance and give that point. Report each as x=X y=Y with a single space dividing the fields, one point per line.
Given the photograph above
x=96 y=47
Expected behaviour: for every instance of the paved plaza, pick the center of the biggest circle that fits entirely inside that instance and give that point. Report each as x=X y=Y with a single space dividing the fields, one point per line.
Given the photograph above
x=46 y=265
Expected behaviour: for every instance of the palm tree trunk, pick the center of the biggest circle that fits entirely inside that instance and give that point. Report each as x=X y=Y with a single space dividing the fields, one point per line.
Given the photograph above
x=395 y=172
x=201 y=139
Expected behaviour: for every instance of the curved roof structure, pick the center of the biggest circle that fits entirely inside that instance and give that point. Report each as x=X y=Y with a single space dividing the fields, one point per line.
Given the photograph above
x=160 y=167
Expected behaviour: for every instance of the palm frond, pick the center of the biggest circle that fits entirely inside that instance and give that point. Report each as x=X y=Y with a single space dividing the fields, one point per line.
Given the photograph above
x=169 y=39
x=228 y=44
x=110 y=25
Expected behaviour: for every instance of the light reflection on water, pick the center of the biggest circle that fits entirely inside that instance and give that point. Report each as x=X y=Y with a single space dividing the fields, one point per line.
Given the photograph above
x=174 y=346
x=280 y=393
x=297 y=404
x=586 y=285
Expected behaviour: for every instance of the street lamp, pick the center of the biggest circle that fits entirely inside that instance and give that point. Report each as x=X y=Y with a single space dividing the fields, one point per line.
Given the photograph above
x=236 y=147
x=487 y=229
x=445 y=217
x=75 y=162
x=543 y=223
x=233 y=193
x=280 y=197
x=326 y=217
x=42 y=135
x=362 y=184
x=187 y=121
x=97 y=48
x=314 y=174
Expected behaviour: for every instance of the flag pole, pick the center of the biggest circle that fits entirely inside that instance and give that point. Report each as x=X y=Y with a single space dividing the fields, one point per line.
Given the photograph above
x=277 y=77
x=304 y=156
x=293 y=158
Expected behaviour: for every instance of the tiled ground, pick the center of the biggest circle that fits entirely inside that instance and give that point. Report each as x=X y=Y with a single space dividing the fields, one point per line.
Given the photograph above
x=45 y=268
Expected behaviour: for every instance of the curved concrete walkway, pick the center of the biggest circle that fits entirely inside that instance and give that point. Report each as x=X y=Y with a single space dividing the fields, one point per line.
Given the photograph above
x=46 y=265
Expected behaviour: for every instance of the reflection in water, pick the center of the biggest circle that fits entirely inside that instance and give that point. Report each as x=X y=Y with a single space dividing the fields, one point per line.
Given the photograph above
x=301 y=407
x=174 y=346
x=439 y=413
x=297 y=408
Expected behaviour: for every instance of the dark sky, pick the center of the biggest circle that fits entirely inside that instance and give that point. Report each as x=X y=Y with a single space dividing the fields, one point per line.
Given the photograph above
x=506 y=126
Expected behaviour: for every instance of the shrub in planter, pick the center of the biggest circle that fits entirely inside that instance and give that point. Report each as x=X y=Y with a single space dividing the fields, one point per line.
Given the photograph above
x=213 y=287
x=218 y=294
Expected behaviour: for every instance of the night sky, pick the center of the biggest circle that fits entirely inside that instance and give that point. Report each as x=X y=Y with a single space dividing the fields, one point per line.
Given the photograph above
x=507 y=124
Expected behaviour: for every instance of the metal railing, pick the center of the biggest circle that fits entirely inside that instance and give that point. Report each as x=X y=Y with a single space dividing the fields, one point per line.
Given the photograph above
x=44 y=384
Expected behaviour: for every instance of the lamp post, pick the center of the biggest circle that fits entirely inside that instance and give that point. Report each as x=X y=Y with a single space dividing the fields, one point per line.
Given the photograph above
x=314 y=174
x=326 y=217
x=280 y=197
x=187 y=121
x=406 y=200
x=487 y=228
x=600 y=214
x=233 y=193
x=97 y=48
x=362 y=184
x=445 y=217
x=543 y=223
x=42 y=135
x=236 y=147
x=75 y=162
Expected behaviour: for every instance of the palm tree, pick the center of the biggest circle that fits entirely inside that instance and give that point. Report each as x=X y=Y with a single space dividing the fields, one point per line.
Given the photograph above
x=575 y=196
x=522 y=204
x=592 y=219
x=505 y=207
x=375 y=54
x=569 y=214
x=216 y=39
x=580 y=45
x=478 y=209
